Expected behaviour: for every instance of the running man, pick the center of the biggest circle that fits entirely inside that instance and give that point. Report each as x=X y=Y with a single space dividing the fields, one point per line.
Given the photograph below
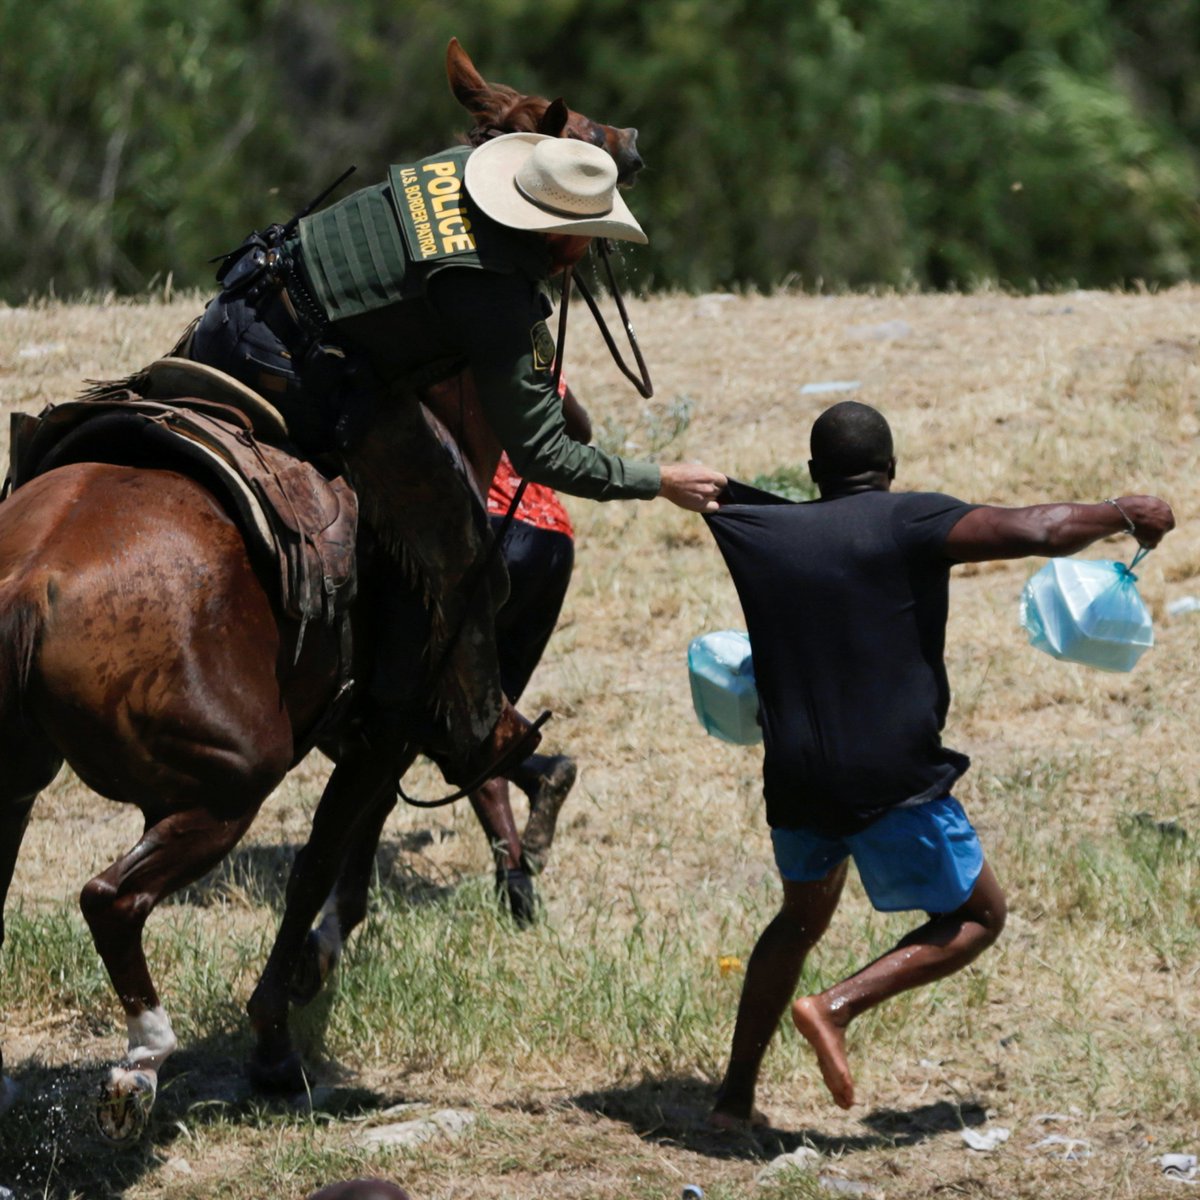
x=845 y=600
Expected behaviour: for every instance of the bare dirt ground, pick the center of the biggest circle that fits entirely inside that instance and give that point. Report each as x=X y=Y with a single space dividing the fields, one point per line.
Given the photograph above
x=586 y=1050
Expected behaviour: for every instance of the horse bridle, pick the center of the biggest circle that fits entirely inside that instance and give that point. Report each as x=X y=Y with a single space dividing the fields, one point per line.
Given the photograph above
x=641 y=381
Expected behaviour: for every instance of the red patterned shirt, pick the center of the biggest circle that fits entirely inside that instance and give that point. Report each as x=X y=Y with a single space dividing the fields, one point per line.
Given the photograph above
x=540 y=505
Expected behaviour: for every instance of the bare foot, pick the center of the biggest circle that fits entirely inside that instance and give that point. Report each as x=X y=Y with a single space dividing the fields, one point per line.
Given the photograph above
x=829 y=1042
x=724 y=1122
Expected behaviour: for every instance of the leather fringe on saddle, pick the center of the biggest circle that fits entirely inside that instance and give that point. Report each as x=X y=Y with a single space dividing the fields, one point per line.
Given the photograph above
x=420 y=503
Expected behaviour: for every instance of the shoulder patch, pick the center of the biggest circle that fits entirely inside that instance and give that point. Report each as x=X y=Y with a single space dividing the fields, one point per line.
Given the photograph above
x=543 y=347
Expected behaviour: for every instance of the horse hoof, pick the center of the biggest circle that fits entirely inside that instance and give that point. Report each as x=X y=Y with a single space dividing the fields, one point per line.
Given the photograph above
x=313 y=967
x=552 y=790
x=9 y=1091
x=125 y=1103
x=516 y=891
x=284 y=1077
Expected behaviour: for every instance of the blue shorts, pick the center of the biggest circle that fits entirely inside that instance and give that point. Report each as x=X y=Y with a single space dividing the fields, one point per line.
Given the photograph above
x=926 y=857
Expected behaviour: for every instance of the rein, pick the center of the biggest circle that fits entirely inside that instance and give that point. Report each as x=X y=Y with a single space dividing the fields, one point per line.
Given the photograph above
x=641 y=381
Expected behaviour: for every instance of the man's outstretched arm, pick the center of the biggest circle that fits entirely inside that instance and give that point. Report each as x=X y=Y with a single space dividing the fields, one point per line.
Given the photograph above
x=1053 y=530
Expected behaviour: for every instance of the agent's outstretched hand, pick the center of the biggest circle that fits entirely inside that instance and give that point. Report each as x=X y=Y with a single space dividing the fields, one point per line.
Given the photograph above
x=692 y=486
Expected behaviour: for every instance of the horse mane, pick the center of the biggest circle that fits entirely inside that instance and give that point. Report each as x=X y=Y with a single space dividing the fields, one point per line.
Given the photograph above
x=510 y=112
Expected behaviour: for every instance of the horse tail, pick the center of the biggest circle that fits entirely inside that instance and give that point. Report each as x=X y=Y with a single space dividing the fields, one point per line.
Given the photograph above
x=21 y=623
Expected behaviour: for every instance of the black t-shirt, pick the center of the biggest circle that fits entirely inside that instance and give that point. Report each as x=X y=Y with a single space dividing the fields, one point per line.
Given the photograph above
x=845 y=603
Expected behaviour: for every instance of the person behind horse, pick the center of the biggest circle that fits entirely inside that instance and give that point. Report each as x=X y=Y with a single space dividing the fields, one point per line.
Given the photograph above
x=539 y=553
x=846 y=600
x=442 y=266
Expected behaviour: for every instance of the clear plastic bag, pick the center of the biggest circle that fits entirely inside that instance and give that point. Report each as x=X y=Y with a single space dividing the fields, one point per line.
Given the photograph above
x=721 y=672
x=1088 y=611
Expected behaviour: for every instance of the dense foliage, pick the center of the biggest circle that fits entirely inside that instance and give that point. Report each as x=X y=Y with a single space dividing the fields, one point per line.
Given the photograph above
x=832 y=143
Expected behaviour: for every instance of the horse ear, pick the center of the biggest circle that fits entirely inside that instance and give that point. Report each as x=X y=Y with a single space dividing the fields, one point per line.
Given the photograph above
x=468 y=86
x=554 y=119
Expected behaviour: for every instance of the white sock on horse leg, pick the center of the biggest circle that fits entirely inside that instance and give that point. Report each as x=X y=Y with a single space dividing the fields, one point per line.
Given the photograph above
x=151 y=1039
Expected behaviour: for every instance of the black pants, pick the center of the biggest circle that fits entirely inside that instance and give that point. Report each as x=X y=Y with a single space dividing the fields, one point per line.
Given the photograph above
x=539 y=563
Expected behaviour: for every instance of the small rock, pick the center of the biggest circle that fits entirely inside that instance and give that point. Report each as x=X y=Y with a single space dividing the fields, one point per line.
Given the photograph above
x=448 y=1122
x=177 y=1166
x=804 y=1158
x=406 y=1106
x=849 y=1187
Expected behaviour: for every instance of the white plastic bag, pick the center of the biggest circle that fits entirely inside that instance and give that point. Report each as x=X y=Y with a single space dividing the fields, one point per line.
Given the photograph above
x=1087 y=611
x=721 y=672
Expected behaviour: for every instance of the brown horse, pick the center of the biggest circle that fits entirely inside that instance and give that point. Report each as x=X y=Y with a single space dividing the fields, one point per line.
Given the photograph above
x=139 y=644
x=498 y=110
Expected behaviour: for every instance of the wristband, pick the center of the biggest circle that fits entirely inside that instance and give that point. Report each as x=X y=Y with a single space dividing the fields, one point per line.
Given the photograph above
x=1129 y=525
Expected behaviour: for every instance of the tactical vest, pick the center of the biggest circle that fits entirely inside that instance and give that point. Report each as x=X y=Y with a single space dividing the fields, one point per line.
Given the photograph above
x=384 y=243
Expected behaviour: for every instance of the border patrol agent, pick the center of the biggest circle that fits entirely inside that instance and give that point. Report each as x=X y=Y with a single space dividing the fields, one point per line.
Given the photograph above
x=443 y=266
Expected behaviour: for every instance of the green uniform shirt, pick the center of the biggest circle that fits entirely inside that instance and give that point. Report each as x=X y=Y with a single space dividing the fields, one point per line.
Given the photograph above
x=415 y=276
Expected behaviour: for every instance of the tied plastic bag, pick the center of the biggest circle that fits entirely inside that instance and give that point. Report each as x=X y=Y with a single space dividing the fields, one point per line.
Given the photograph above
x=721 y=672
x=1088 y=612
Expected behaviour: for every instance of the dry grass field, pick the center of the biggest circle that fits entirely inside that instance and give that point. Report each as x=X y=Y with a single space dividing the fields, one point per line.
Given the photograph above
x=586 y=1048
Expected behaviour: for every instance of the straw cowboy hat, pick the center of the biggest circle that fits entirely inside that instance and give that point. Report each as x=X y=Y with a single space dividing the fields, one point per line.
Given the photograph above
x=550 y=185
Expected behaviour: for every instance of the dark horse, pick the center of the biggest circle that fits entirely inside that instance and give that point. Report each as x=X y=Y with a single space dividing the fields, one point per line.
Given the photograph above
x=139 y=643
x=302 y=957
x=496 y=110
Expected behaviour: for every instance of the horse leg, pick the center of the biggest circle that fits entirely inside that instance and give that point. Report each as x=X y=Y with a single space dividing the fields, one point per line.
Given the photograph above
x=341 y=818
x=346 y=906
x=30 y=764
x=14 y=819
x=172 y=853
x=514 y=883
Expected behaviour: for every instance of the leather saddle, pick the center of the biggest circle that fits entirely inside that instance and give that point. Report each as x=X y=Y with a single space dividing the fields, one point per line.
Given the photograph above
x=299 y=522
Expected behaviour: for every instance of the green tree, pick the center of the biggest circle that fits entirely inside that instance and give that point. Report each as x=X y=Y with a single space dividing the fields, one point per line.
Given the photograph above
x=834 y=143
